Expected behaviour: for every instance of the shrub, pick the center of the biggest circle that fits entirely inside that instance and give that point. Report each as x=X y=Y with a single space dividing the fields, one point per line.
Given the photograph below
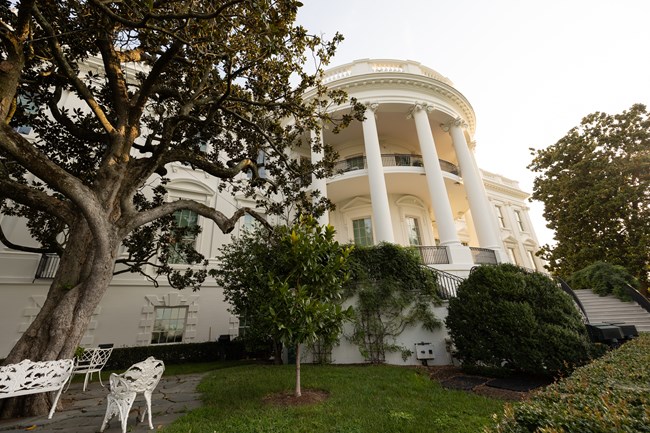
x=604 y=279
x=609 y=395
x=506 y=317
x=123 y=357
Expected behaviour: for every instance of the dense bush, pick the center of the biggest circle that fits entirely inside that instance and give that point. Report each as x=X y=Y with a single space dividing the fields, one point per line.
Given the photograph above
x=505 y=317
x=604 y=279
x=612 y=394
x=123 y=357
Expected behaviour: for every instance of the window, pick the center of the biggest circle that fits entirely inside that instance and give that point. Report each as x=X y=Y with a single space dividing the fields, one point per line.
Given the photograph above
x=502 y=222
x=362 y=229
x=413 y=231
x=531 y=257
x=184 y=219
x=169 y=325
x=520 y=223
x=355 y=163
x=513 y=257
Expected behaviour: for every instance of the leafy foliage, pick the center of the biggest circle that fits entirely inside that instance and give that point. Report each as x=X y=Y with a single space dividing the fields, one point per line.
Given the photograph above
x=595 y=186
x=392 y=291
x=288 y=282
x=116 y=92
x=604 y=279
x=610 y=394
x=505 y=317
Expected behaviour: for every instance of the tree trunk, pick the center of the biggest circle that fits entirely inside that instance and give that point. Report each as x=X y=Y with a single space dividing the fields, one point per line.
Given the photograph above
x=298 y=392
x=83 y=277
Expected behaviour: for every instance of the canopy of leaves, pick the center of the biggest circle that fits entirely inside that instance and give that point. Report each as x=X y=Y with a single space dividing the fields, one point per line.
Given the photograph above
x=604 y=279
x=287 y=282
x=116 y=91
x=392 y=291
x=595 y=186
x=507 y=317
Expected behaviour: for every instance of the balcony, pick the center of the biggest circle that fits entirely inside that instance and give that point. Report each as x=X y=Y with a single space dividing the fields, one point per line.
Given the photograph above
x=484 y=256
x=391 y=160
x=47 y=266
x=433 y=255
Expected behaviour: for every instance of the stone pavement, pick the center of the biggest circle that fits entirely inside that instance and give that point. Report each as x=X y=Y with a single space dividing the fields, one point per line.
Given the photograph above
x=83 y=412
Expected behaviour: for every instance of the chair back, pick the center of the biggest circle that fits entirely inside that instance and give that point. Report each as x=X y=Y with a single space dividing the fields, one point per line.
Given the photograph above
x=93 y=359
x=140 y=377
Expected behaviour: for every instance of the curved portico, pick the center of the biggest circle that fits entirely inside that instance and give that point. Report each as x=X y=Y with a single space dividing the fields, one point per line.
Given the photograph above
x=407 y=173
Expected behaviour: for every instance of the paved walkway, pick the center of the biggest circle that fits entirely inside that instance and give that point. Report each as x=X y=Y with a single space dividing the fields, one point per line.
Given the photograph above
x=83 y=412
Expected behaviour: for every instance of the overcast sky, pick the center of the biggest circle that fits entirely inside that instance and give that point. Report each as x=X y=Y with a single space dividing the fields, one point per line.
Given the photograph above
x=531 y=69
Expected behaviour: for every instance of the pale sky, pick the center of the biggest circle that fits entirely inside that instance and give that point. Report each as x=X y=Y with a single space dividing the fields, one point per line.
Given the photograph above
x=531 y=69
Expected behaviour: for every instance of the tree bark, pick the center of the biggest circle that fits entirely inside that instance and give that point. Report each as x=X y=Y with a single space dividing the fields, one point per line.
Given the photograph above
x=298 y=392
x=83 y=277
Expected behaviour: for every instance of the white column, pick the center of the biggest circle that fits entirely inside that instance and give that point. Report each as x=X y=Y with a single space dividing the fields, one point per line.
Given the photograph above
x=378 y=194
x=435 y=180
x=482 y=213
x=316 y=183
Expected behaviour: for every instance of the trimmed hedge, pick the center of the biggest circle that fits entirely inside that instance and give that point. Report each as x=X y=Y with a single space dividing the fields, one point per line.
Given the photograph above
x=123 y=357
x=612 y=394
x=506 y=317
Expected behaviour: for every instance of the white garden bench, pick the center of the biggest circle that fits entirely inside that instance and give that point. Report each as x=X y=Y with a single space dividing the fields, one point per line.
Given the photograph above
x=29 y=377
x=142 y=377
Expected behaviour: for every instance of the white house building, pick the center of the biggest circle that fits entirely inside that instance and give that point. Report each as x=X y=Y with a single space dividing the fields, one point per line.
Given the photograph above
x=406 y=174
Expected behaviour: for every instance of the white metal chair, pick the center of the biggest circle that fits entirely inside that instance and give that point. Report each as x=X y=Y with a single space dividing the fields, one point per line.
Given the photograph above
x=91 y=361
x=142 y=377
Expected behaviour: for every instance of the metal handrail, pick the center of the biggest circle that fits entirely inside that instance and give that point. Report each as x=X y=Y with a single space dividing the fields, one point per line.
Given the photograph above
x=483 y=256
x=637 y=297
x=433 y=255
x=47 y=266
x=447 y=284
x=391 y=160
x=568 y=290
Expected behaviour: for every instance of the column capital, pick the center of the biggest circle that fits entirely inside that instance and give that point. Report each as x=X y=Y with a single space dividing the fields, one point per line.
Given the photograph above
x=458 y=122
x=372 y=106
x=420 y=106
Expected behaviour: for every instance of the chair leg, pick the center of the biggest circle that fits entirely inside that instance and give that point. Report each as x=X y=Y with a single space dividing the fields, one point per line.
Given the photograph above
x=86 y=382
x=147 y=397
x=99 y=373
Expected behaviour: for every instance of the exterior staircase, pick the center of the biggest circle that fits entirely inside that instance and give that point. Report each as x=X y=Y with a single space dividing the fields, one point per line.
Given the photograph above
x=609 y=309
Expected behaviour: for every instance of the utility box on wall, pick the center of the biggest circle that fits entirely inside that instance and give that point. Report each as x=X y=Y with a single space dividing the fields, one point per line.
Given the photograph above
x=424 y=351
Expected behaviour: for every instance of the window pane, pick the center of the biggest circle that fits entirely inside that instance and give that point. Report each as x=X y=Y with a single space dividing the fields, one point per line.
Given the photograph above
x=169 y=325
x=413 y=230
x=362 y=230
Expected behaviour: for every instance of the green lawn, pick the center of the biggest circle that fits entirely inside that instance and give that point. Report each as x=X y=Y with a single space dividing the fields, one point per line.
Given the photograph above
x=362 y=399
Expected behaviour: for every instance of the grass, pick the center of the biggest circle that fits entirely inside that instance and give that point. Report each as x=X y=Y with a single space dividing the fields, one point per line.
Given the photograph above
x=362 y=399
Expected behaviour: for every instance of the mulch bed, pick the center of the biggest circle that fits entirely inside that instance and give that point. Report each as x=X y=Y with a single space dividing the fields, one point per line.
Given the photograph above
x=309 y=396
x=514 y=388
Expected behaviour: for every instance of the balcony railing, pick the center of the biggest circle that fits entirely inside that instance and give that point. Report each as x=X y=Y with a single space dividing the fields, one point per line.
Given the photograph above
x=483 y=256
x=47 y=266
x=391 y=160
x=433 y=255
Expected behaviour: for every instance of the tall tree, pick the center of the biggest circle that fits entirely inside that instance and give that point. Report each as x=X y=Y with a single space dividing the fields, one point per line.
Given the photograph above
x=224 y=75
x=288 y=283
x=595 y=186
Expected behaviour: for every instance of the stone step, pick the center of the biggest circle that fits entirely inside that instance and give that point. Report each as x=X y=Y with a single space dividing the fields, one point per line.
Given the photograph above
x=610 y=309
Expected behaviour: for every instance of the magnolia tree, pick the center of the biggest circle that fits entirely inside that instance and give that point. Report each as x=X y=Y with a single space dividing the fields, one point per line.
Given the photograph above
x=288 y=283
x=220 y=75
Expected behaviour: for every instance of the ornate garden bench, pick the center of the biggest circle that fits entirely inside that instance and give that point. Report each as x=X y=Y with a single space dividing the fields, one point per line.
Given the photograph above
x=29 y=377
x=142 y=377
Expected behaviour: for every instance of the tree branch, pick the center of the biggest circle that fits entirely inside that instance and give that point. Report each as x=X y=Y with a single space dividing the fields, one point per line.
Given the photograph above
x=17 y=247
x=83 y=91
x=223 y=222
